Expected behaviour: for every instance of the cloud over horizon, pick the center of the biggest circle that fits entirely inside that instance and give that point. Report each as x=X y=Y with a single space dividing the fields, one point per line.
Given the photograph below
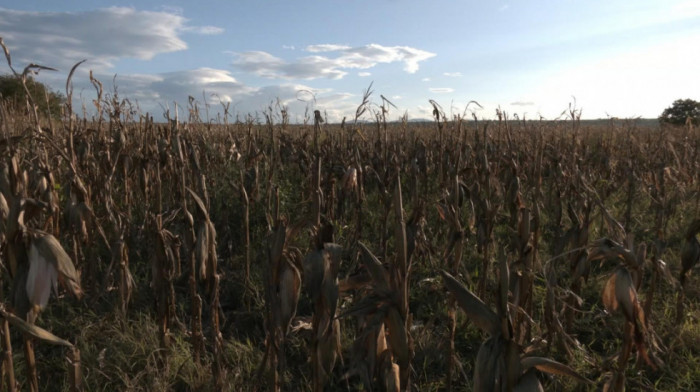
x=107 y=36
x=60 y=39
x=266 y=65
x=213 y=87
x=441 y=90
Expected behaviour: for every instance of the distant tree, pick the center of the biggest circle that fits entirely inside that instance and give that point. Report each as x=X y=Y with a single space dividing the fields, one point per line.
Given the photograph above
x=13 y=92
x=681 y=111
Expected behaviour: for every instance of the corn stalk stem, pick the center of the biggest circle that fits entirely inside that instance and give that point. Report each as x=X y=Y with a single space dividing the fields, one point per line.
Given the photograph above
x=75 y=374
x=7 y=363
x=32 y=379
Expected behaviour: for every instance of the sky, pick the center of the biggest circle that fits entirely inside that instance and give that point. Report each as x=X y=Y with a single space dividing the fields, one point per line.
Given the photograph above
x=611 y=58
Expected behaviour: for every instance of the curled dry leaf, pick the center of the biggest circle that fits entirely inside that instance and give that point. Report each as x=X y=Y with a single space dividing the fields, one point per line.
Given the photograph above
x=529 y=383
x=499 y=366
x=478 y=312
x=398 y=342
x=552 y=367
x=34 y=331
x=4 y=212
x=327 y=349
x=389 y=372
x=289 y=291
x=201 y=249
x=349 y=182
x=313 y=273
x=606 y=249
x=375 y=269
x=690 y=254
x=46 y=254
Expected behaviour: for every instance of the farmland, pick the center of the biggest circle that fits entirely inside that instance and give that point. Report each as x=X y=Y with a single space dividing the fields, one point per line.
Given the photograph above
x=255 y=254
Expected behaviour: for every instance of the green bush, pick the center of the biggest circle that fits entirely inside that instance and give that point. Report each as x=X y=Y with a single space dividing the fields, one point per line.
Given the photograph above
x=681 y=111
x=49 y=102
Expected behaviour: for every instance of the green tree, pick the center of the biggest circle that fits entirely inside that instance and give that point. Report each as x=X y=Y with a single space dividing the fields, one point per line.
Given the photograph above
x=681 y=111
x=12 y=91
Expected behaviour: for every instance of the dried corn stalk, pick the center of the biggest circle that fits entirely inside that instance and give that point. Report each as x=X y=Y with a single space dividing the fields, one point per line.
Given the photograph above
x=162 y=273
x=620 y=294
x=205 y=246
x=690 y=256
x=281 y=295
x=500 y=364
x=321 y=269
x=49 y=264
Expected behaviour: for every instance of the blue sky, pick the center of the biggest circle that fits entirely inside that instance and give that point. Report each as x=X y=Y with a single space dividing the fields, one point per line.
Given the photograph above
x=615 y=58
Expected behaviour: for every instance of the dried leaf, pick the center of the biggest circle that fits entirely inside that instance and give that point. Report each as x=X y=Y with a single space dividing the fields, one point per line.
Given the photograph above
x=47 y=247
x=552 y=367
x=289 y=290
x=69 y=86
x=398 y=341
x=7 y=56
x=313 y=273
x=529 y=383
x=608 y=296
x=375 y=269
x=400 y=230
x=490 y=373
x=200 y=204
x=478 y=312
x=41 y=279
x=202 y=249
x=31 y=329
x=690 y=255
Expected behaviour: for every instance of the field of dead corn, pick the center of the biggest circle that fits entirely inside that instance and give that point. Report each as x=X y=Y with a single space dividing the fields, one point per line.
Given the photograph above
x=257 y=255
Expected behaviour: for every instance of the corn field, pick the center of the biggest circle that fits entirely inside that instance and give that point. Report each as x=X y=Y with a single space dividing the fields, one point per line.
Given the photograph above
x=258 y=255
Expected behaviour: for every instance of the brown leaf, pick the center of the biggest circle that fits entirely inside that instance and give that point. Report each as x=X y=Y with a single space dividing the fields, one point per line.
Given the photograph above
x=200 y=204
x=202 y=249
x=47 y=246
x=398 y=342
x=375 y=269
x=490 y=373
x=552 y=367
x=608 y=296
x=529 y=383
x=33 y=330
x=313 y=273
x=478 y=312
x=289 y=290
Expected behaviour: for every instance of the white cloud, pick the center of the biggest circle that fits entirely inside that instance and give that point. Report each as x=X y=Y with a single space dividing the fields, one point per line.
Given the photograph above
x=424 y=112
x=204 y=30
x=451 y=107
x=685 y=9
x=326 y=48
x=152 y=90
x=425 y=80
x=522 y=103
x=453 y=74
x=213 y=86
x=364 y=74
x=441 y=90
x=288 y=47
x=268 y=66
x=60 y=39
x=108 y=36
x=312 y=67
